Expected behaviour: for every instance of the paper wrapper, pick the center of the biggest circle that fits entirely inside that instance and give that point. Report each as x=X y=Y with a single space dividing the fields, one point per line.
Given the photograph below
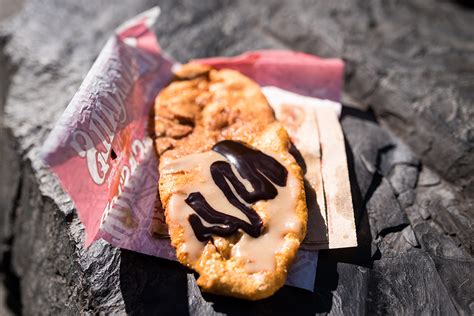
x=102 y=154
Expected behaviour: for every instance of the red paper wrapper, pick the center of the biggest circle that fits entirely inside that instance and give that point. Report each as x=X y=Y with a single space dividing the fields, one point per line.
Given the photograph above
x=101 y=151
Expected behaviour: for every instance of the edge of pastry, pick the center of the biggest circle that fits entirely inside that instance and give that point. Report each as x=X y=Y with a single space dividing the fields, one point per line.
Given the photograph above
x=222 y=189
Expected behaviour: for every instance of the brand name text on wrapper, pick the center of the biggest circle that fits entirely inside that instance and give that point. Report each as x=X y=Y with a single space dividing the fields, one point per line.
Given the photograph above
x=120 y=206
x=103 y=125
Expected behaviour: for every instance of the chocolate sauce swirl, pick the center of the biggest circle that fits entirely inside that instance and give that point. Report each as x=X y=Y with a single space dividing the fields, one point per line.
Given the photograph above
x=254 y=166
x=258 y=168
x=226 y=224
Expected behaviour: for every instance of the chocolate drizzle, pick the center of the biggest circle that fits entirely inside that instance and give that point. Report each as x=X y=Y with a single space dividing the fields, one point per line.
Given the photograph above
x=252 y=165
x=226 y=224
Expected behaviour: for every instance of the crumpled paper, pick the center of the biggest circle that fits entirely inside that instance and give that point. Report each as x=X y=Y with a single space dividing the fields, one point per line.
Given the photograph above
x=101 y=151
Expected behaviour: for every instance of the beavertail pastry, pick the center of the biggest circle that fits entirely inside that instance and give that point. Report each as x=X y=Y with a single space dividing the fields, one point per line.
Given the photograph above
x=233 y=194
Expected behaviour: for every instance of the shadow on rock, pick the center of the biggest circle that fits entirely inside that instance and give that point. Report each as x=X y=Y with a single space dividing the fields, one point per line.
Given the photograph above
x=327 y=276
x=285 y=301
x=291 y=300
x=152 y=286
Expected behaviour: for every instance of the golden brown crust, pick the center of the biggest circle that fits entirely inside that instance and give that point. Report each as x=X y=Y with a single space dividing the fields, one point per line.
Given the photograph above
x=192 y=115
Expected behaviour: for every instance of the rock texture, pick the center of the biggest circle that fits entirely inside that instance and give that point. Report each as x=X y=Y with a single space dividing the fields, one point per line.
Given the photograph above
x=410 y=143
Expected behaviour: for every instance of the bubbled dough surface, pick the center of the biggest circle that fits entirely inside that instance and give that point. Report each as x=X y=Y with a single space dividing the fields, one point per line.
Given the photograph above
x=213 y=106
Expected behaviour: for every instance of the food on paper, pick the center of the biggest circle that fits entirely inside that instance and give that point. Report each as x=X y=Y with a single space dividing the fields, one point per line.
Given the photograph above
x=232 y=192
x=314 y=129
x=104 y=157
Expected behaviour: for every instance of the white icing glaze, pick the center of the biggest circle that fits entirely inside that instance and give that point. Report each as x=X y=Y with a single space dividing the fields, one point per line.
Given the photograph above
x=279 y=214
x=280 y=219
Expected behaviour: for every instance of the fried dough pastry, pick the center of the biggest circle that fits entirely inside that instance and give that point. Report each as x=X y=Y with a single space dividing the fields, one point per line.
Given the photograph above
x=209 y=122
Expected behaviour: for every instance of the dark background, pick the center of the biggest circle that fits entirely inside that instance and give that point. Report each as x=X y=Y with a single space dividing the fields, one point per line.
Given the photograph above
x=408 y=120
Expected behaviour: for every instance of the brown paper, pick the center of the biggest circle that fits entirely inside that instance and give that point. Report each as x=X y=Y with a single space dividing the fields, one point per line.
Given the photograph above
x=314 y=129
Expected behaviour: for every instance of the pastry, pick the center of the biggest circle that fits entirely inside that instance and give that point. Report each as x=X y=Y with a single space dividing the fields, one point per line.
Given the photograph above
x=233 y=195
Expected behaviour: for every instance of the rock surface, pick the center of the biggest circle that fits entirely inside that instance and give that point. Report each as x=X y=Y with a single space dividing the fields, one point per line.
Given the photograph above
x=409 y=73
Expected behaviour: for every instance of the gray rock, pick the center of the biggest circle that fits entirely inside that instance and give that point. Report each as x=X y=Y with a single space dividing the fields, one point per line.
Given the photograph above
x=415 y=237
x=424 y=292
x=9 y=187
x=406 y=198
x=428 y=178
x=384 y=210
x=4 y=309
x=367 y=151
x=403 y=178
